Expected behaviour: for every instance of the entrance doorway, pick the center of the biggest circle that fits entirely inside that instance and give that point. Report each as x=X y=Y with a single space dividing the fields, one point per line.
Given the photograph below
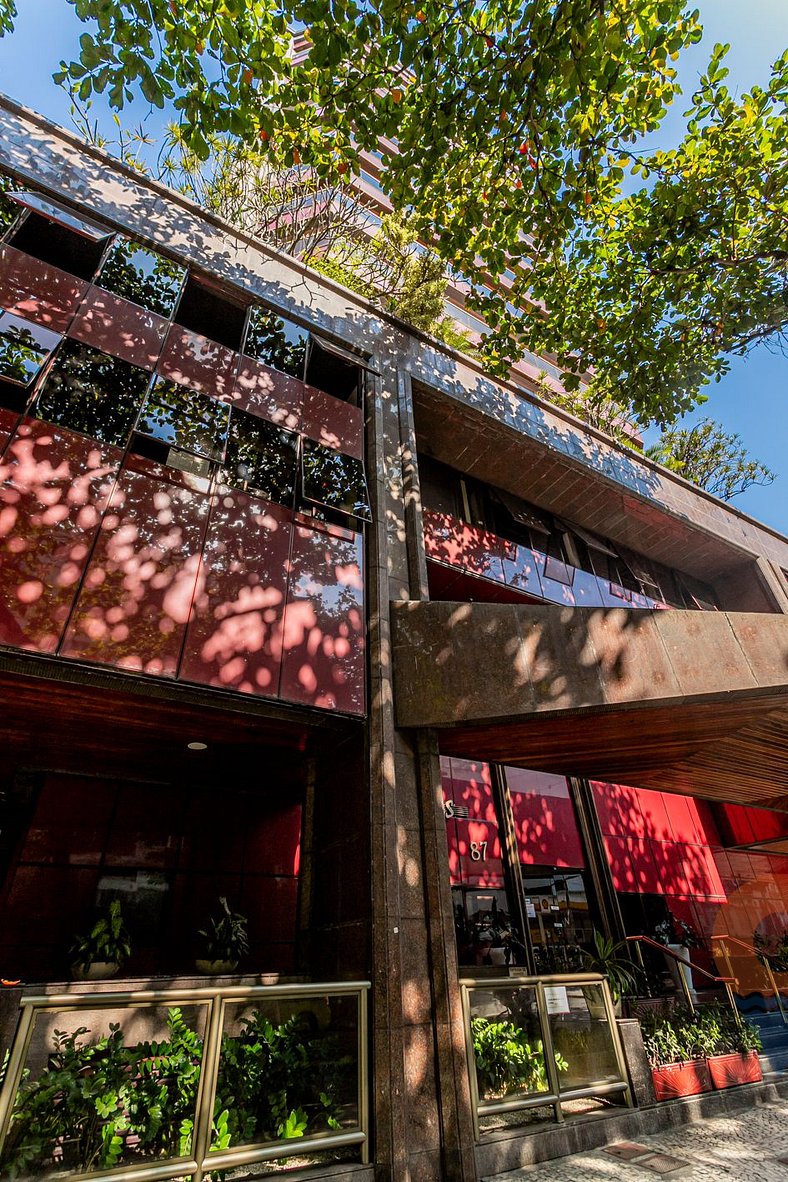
x=560 y=919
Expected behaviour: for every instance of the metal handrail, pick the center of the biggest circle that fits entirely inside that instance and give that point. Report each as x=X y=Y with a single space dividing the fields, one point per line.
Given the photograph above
x=762 y=960
x=555 y=1093
x=728 y=982
x=203 y=1160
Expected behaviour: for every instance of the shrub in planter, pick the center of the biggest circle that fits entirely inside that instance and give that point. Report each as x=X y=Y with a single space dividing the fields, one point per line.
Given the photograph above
x=104 y=949
x=506 y=1062
x=224 y=941
x=689 y=1052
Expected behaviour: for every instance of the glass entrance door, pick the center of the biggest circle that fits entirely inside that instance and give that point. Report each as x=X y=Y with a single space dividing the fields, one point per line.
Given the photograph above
x=559 y=921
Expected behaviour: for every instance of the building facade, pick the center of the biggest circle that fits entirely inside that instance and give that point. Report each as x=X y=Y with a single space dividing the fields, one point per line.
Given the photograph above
x=300 y=610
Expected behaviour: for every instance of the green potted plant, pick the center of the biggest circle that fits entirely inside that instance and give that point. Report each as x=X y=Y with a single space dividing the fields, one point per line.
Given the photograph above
x=224 y=941
x=612 y=959
x=104 y=949
x=676 y=1049
x=733 y=1058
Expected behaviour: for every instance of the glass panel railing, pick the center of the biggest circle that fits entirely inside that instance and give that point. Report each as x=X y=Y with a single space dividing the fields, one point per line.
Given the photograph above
x=105 y=1086
x=536 y=1043
x=184 y=1084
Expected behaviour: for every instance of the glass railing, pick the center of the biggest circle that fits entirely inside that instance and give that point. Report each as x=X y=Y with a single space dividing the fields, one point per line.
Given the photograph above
x=541 y=1043
x=486 y=555
x=184 y=1084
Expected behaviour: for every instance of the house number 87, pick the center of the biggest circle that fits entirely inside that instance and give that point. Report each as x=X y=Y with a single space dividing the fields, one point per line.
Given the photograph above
x=478 y=851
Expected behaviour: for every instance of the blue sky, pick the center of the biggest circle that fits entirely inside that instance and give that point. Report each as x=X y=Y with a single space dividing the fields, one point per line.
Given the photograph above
x=751 y=400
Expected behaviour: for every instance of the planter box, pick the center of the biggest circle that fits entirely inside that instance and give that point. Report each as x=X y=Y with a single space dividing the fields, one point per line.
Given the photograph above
x=681 y=1079
x=727 y=1071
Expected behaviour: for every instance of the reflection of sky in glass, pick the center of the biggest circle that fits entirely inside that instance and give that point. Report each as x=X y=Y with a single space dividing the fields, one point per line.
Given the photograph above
x=261 y=457
x=24 y=347
x=335 y=480
x=185 y=418
x=90 y=392
x=60 y=214
x=276 y=342
x=142 y=276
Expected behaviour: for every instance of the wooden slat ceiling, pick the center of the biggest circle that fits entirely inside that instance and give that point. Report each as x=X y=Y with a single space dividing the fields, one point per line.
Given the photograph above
x=736 y=751
x=49 y=723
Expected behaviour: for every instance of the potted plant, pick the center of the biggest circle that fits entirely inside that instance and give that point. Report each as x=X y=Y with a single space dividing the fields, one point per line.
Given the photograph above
x=675 y=1054
x=734 y=1057
x=224 y=941
x=612 y=959
x=104 y=949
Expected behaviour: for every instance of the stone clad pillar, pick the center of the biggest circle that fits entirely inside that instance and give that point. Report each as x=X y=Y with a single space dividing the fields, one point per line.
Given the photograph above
x=421 y=1102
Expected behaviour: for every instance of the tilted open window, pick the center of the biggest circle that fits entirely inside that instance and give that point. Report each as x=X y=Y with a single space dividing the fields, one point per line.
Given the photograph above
x=212 y=315
x=261 y=458
x=52 y=233
x=334 y=481
x=24 y=350
x=277 y=342
x=185 y=419
x=91 y=392
x=142 y=276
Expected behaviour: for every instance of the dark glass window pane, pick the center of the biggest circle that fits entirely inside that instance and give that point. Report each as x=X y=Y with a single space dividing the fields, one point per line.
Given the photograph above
x=212 y=315
x=334 y=480
x=261 y=457
x=91 y=392
x=55 y=243
x=142 y=276
x=184 y=418
x=24 y=347
x=276 y=342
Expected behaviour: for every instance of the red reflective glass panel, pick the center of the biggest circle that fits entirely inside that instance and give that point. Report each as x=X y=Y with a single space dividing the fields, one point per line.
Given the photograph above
x=117 y=327
x=195 y=361
x=268 y=393
x=38 y=291
x=544 y=818
x=323 y=629
x=54 y=486
x=8 y=421
x=137 y=596
x=333 y=423
x=234 y=637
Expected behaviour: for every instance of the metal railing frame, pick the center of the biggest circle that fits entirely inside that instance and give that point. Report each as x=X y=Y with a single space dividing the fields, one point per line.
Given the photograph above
x=555 y=1095
x=728 y=982
x=762 y=961
x=215 y=1002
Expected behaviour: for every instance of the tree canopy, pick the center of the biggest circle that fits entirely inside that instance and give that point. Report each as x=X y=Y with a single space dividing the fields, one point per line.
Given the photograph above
x=518 y=126
x=711 y=458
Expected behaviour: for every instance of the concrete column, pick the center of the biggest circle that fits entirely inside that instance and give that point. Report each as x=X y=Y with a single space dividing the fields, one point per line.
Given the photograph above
x=421 y=1102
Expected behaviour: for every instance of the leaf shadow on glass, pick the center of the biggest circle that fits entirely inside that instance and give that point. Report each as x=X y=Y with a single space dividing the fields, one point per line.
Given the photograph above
x=91 y=392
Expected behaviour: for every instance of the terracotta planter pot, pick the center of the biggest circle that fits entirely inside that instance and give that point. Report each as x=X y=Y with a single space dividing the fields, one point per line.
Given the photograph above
x=681 y=1079
x=727 y=1071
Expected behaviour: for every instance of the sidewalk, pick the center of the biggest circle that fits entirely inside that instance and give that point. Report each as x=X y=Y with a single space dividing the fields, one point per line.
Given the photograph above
x=744 y=1147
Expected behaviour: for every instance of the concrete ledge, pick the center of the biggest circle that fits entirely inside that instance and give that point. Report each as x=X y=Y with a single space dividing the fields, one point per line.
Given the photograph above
x=511 y=1149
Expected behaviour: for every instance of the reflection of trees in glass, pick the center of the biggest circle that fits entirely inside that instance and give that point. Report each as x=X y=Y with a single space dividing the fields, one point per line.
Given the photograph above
x=185 y=418
x=23 y=349
x=335 y=480
x=142 y=276
x=261 y=457
x=9 y=211
x=91 y=392
x=276 y=342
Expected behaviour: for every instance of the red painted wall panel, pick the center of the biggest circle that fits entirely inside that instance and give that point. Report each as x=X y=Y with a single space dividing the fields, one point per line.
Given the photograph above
x=54 y=486
x=195 y=361
x=234 y=637
x=119 y=328
x=37 y=291
x=267 y=392
x=323 y=628
x=333 y=423
x=137 y=595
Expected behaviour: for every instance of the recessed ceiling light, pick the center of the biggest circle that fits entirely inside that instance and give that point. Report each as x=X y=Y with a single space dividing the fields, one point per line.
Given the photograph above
x=197 y=746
